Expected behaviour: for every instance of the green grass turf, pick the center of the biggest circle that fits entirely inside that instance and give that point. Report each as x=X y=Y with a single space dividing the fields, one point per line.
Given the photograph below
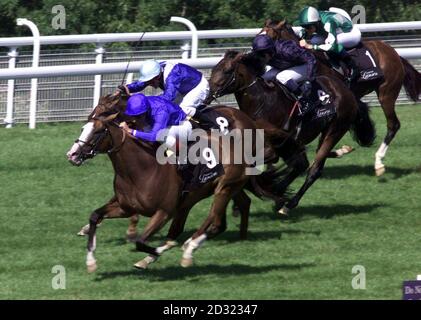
x=349 y=217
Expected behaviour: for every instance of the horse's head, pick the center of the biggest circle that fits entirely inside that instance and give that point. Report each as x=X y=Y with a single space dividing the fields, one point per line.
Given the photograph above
x=233 y=73
x=279 y=30
x=95 y=136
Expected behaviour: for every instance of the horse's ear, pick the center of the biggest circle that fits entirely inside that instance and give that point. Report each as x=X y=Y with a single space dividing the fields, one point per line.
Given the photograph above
x=281 y=24
x=237 y=58
x=268 y=22
x=109 y=118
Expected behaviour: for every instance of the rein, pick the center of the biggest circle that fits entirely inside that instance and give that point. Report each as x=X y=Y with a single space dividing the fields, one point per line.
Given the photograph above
x=231 y=81
x=98 y=138
x=123 y=139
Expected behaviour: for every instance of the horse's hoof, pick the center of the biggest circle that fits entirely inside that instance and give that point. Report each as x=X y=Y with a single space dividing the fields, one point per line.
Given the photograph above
x=171 y=244
x=380 y=171
x=185 y=244
x=347 y=149
x=284 y=211
x=84 y=231
x=186 y=262
x=92 y=267
x=142 y=264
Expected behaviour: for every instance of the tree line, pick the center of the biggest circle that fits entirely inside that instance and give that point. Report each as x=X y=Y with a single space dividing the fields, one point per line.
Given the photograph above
x=87 y=16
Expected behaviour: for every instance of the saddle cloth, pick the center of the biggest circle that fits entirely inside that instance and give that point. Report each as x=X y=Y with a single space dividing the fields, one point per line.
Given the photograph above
x=195 y=175
x=364 y=60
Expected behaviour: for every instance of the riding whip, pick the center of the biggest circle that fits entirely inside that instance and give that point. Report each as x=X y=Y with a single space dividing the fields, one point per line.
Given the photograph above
x=131 y=56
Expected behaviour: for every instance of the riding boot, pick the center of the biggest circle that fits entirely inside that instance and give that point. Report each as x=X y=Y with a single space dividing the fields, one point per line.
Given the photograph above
x=352 y=67
x=303 y=94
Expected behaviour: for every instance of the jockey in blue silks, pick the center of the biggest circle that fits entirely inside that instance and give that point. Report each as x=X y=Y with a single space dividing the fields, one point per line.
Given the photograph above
x=181 y=83
x=160 y=114
x=290 y=64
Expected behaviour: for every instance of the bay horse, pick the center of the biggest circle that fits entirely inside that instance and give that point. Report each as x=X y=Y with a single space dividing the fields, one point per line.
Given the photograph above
x=397 y=72
x=144 y=186
x=271 y=106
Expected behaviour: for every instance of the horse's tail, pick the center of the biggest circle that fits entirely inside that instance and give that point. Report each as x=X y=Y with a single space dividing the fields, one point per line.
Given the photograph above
x=269 y=184
x=363 y=130
x=412 y=81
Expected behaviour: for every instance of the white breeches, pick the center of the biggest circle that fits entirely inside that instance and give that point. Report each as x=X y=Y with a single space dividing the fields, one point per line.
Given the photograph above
x=195 y=97
x=183 y=130
x=297 y=73
x=349 y=39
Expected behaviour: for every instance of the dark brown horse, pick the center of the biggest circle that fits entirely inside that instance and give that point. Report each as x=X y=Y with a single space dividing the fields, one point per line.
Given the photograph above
x=271 y=106
x=397 y=72
x=143 y=186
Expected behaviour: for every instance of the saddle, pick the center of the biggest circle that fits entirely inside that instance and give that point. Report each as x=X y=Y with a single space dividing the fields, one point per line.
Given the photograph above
x=363 y=59
x=319 y=97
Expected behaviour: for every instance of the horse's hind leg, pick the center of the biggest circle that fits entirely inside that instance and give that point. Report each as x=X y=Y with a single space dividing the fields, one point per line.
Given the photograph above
x=387 y=98
x=112 y=208
x=315 y=171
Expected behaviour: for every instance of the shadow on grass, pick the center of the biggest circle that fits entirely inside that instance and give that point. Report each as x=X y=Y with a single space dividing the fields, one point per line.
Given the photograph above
x=327 y=212
x=180 y=273
x=321 y=211
x=229 y=236
x=344 y=171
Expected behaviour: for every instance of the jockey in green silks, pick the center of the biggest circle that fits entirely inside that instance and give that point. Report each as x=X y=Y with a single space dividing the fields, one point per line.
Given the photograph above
x=331 y=31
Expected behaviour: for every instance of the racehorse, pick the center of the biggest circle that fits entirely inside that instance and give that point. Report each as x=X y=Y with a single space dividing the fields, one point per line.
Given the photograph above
x=271 y=105
x=144 y=186
x=397 y=72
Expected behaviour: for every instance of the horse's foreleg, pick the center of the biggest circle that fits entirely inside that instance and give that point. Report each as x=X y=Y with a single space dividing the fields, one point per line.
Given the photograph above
x=157 y=221
x=298 y=164
x=111 y=208
x=131 y=233
x=243 y=202
x=387 y=100
x=315 y=170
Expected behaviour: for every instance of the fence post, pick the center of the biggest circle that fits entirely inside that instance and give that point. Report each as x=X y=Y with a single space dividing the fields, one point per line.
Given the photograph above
x=194 y=35
x=35 y=62
x=98 y=78
x=185 y=51
x=13 y=53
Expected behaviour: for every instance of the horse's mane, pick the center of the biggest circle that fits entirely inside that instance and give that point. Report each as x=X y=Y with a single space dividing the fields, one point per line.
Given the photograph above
x=254 y=63
x=231 y=54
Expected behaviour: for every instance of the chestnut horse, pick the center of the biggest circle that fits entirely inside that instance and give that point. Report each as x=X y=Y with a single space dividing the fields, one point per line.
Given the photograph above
x=397 y=72
x=143 y=186
x=271 y=106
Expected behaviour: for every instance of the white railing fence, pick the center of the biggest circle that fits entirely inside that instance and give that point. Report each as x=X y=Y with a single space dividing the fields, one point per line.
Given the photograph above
x=81 y=72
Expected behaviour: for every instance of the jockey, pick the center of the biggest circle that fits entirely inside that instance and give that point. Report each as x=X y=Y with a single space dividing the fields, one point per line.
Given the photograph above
x=336 y=27
x=293 y=66
x=160 y=114
x=181 y=84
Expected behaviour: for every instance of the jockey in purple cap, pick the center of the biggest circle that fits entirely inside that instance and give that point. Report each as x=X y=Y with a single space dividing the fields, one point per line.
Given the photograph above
x=290 y=64
x=181 y=84
x=160 y=114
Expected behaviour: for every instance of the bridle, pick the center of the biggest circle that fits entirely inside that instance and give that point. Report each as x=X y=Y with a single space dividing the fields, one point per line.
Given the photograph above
x=230 y=82
x=97 y=139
